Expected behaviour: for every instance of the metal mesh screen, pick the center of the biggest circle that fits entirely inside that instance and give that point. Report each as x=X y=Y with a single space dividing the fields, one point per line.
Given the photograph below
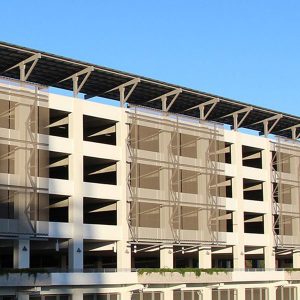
x=286 y=192
x=20 y=192
x=175 y=178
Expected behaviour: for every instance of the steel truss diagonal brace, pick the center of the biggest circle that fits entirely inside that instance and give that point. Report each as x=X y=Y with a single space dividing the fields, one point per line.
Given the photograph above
x=294 y=128
x=204 y=115
x=76 y=89
x=295 y=136
x=22 y=66
x=164 y=98
x=122 y=89
x=236 y=122
x=268 y=129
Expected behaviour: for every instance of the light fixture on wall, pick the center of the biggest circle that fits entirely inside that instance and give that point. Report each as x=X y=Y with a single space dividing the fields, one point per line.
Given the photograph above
x=134 y=248
x=24 y=249
x=182 y=250
x=78 y=250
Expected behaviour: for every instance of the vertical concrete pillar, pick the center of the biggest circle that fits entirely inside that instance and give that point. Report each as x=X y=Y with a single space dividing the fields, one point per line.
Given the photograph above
x=206 y=294
x=269 y=255
x=77 y=294
x=238 y=196
x=166 y=230
x=240 y=293
x=123 y=248
x=203 y=191
x=166 y=257
x=21 y=254
x=125 y=295
x=271 y=290
x=22 y=296
x=204 y=258
x=296 y=291
x=296 y=259
x=76 y=250
x=168 y=294
x=123 y=255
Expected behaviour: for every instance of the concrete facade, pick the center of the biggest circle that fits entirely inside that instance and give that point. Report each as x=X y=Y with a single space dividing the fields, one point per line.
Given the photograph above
x=114 y=194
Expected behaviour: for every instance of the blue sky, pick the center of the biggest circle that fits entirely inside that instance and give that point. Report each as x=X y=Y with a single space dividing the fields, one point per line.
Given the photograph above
x=245 y=50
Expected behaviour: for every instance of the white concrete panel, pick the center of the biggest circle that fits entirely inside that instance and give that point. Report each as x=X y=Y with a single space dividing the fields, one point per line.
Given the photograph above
x=100 y=110
x=254 y=173
x=60 y=230
x=104 y=191
x=256 y=206
x=61 y=102
x=230 y=204
x=60 y=186
x=252 y=239
x=101 y=150
x=102 y=232
x=60 y=144
x=231 y=238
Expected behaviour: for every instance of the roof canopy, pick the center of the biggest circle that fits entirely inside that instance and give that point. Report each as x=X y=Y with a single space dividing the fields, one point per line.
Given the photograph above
x=93 y=80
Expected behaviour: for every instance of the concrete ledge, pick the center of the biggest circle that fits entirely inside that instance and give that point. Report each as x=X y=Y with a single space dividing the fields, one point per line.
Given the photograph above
x=67 y=279
x=230 y=277
x=189 y=277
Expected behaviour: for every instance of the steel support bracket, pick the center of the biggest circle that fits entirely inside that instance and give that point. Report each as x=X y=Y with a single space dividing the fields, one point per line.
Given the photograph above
x=268 y=129
x=293 y=129
x=22 y=66
x=204 y=115
x=164 y=98
x=122 y=89
x=77 y=88
x=236 y=122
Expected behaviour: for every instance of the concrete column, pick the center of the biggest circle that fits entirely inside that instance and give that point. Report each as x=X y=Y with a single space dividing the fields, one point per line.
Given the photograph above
x=22 y=296
x=204 y=258
x=238 y=197
x=166 y=257
x=168 y=294
x=296 y=291
x=166 y=230
x=125 y=295
x=123 y=248
x=77 y=294
x=206 y=294
x=296 y=259
x=123 y=255
x=240 y=293
x=269 y=255
x=238 y=257
x=271 y=290
x=76 y=176
x=21 y=254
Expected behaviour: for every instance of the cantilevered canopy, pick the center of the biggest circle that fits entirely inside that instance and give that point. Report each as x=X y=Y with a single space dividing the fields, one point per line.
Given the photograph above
x=93 y=80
